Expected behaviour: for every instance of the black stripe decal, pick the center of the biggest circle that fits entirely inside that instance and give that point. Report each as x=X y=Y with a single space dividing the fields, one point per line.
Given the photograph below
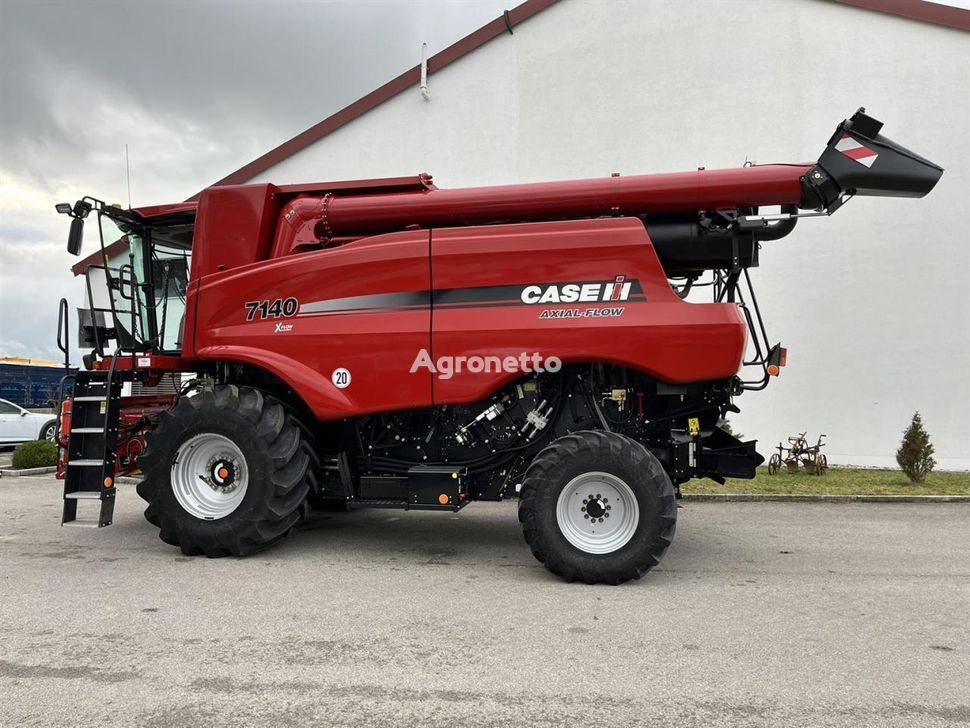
x=403 y=299
x=513 y=294
x=474 y=297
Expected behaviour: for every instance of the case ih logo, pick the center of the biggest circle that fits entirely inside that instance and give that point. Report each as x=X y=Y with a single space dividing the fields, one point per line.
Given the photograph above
x=584 y=292
x=856 y=150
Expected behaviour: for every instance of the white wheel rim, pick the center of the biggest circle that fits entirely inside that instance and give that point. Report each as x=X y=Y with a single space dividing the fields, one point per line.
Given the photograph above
x=209 y=476
x=597 y=513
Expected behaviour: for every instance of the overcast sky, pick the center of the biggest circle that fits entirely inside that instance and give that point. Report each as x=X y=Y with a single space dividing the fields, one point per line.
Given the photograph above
x=196 y=88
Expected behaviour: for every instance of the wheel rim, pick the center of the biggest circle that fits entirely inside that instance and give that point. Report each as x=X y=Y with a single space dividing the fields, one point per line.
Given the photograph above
x=597 y=513
x=209 y=476
x=50 y=433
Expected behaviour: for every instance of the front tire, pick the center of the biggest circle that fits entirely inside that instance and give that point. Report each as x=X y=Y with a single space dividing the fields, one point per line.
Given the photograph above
x=225 y=473
x=597 y=507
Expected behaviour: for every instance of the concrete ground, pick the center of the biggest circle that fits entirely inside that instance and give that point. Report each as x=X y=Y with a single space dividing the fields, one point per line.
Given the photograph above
x=761 y=614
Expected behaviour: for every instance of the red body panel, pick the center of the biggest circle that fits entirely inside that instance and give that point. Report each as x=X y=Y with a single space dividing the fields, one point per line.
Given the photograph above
x=234 y=227
x=377 y=346
x=368 y=307
x=663 y=336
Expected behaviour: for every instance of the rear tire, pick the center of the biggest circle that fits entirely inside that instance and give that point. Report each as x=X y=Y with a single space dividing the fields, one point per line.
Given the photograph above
x=621 y=532
x=225 y=473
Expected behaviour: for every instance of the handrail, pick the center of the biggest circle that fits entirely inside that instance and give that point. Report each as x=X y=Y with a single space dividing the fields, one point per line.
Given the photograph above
x=107 y=278
x=63 y=331
x=94 y=319
x=63 y=343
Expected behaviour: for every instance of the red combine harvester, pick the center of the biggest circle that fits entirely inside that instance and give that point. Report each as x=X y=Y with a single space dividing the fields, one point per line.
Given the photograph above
x=384 y=343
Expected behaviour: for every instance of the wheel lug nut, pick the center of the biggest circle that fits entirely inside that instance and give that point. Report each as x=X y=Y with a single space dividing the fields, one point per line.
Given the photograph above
x=601 y=520
x=598 y=496
x=609 y=508
x=607 y=515
x=585 y=515
x=585 y=502
x=583 y=509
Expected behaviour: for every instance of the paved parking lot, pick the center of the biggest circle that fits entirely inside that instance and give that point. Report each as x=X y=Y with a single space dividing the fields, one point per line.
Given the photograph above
x=761 y=614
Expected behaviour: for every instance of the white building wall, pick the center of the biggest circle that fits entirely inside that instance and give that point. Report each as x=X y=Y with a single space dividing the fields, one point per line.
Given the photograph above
x=873 y=303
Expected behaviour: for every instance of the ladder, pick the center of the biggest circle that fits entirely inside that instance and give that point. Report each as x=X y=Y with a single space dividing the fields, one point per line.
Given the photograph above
x=90 y=469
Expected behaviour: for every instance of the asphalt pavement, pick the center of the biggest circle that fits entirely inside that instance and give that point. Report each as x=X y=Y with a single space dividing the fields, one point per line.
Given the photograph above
x=762 y=614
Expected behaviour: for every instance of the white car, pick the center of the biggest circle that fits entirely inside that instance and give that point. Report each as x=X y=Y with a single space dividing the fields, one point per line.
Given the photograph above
x=19 y=425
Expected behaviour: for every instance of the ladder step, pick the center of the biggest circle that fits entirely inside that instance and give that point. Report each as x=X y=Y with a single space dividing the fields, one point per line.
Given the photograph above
x=81 y=524
x=87 y=430
x=86 y=463
x=94 y=398
x=84 y=495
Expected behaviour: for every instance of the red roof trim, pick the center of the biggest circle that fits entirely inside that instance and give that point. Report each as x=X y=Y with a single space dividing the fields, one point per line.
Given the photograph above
x=927 y=12
x=408 y=79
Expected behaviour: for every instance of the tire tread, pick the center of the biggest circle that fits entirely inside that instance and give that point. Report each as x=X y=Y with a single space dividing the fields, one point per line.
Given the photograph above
x=288 y=458
x=542 y=473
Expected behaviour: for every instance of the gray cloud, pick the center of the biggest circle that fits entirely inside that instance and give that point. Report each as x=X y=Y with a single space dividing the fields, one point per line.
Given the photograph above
x=195 y=88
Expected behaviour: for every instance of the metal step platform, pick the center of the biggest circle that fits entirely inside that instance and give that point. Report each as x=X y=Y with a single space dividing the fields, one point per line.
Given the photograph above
x=91 y=446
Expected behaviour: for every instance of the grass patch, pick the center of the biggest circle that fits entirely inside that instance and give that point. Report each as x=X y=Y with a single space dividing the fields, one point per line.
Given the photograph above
x=839 y=481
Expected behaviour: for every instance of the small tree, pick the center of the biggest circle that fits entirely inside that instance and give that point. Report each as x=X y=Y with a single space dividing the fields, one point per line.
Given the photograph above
x=915 y=454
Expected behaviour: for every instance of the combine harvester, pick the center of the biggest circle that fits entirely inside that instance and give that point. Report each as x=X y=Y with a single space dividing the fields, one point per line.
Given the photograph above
x=297 y=317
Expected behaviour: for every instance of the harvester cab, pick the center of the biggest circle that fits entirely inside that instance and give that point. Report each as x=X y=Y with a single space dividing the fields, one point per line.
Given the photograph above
x=135 y=282
x=571 y=362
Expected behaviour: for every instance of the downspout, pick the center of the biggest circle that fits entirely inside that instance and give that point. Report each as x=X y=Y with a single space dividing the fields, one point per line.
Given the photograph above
x=425 y=94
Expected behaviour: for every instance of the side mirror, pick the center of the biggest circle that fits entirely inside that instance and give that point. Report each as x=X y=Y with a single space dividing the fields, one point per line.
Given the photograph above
x=75 y=236
x=23 y=413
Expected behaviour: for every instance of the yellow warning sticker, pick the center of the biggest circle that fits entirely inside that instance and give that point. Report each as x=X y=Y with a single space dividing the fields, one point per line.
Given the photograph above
x=694 y=425
x=102 y=407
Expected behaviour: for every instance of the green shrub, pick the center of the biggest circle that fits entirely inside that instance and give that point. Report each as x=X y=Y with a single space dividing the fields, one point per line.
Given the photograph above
x=34 y=454
x=915 y=454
